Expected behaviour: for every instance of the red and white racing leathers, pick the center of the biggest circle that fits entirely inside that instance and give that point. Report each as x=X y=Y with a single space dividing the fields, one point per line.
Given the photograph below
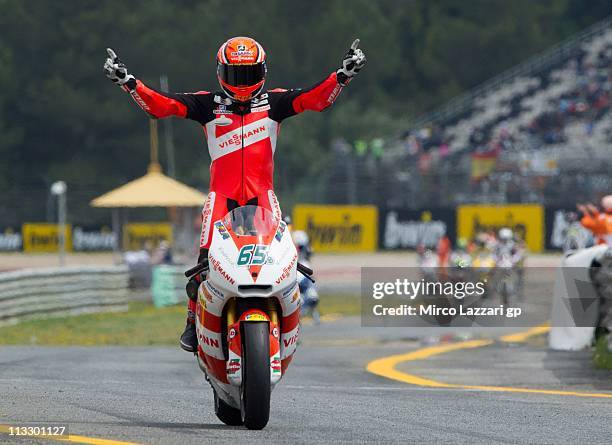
x=241 y=138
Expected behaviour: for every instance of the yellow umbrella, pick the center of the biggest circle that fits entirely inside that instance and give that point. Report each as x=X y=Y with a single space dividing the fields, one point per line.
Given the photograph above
x=153 y=189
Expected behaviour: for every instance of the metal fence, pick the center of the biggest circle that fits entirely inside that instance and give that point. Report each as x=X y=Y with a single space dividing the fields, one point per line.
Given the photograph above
x=41 y=293
x=395 y=181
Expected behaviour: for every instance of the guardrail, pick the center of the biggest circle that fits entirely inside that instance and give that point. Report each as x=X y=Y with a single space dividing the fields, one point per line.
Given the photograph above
x=51 y=292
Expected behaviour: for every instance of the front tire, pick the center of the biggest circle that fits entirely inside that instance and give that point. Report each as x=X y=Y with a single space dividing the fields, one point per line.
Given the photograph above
x=226 y=413
x=255 y=390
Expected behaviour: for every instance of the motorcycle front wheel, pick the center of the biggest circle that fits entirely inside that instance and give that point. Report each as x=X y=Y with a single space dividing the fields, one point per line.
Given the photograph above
x=255 y=389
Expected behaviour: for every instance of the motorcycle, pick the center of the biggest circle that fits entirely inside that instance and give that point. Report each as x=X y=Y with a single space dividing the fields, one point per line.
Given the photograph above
x=507 y=280
x=248 y=313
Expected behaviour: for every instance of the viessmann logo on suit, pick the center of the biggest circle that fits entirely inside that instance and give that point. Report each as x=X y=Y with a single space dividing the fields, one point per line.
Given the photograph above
x=245 y=136
x=236 y=137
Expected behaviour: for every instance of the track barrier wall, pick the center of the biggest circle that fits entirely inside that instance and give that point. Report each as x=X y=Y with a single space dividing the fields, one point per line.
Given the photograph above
x=333 y=228
x=52 y=292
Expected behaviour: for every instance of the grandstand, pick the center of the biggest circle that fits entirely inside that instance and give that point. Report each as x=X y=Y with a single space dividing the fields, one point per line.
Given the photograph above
x=547 y=116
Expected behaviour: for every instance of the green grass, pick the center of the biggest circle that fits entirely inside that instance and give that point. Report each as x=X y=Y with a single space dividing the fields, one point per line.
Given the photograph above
x=602 y=357
x=343 y=304
x=141 y=325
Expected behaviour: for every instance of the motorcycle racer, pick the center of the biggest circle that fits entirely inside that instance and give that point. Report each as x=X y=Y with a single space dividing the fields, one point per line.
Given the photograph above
x=308 y=290
x=241 y=125
x=302 y=244
x=510 y=251
x=508 y=245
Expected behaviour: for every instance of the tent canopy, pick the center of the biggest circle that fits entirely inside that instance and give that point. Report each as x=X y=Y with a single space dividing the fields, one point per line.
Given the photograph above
x=152 y=190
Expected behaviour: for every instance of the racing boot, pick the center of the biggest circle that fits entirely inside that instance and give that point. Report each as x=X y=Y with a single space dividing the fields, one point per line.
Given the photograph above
x=189 y=337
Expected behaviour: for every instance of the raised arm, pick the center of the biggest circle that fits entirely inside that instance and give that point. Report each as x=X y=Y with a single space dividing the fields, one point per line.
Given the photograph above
x=321 y=95
x=155 y=103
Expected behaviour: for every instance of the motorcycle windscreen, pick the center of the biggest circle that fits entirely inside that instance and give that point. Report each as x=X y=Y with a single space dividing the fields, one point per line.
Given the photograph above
x=253 y=222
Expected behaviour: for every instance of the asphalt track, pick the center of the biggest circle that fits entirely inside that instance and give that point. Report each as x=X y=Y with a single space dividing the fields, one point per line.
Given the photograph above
x=158 y=396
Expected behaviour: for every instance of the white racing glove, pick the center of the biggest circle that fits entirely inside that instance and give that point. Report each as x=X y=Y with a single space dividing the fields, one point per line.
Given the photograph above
x=353 y=61
x=115 y=69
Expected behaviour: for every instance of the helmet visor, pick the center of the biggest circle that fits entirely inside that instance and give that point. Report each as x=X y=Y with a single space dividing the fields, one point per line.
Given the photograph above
x=242 y=75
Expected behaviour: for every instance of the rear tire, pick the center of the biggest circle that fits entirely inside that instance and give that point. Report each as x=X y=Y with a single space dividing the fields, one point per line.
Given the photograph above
x=255 y=389
x=226 y=413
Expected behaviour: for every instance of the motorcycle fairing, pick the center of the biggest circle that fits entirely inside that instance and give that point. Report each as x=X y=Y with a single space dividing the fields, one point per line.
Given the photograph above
x=276 y=278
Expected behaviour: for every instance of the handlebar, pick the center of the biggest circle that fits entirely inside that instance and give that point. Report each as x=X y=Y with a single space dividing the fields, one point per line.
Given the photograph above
x=197 y=269
x=306 y=271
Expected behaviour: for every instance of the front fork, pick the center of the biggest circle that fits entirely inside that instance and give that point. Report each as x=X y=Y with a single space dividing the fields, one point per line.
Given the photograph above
x=234 y=341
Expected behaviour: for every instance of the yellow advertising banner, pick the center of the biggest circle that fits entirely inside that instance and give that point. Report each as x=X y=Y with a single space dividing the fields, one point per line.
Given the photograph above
x=526 y=220
x=44 y=237
x=338 y=228
x=137 y=236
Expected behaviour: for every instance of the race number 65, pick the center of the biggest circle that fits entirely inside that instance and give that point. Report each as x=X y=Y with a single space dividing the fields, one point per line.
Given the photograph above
x=252 y=255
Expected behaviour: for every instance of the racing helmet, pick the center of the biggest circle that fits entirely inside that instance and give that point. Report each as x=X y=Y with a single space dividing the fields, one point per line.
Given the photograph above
x=606 y=203
x=241 y=68
x=505 y=234
x=300 y=239
x=481 y=239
